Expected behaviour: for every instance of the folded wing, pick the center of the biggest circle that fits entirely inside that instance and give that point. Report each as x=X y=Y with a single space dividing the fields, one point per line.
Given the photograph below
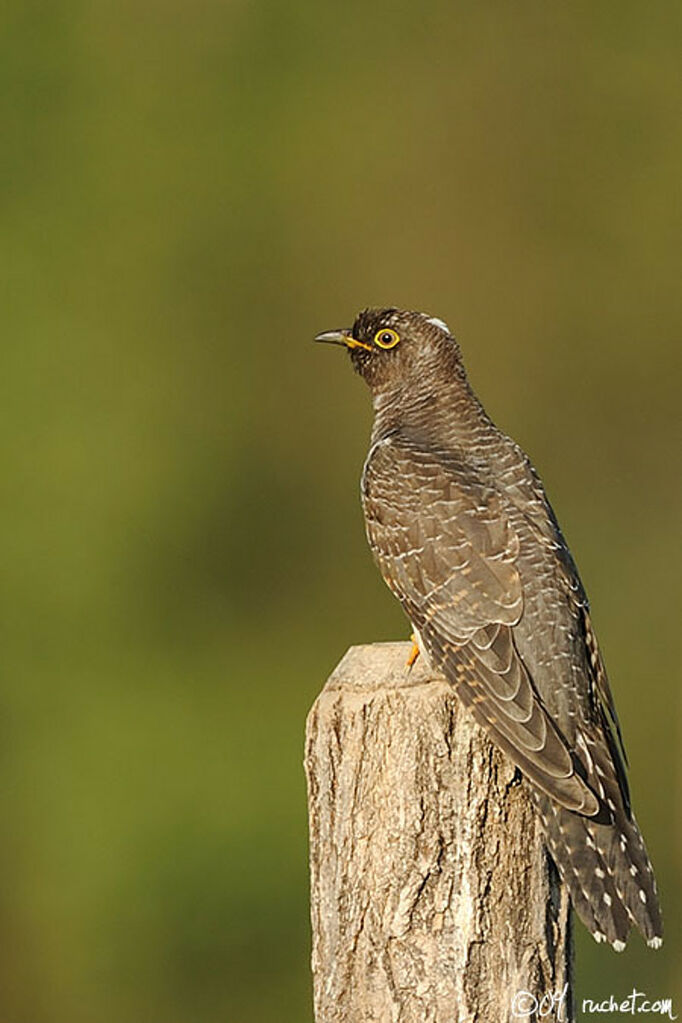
x=446 y=549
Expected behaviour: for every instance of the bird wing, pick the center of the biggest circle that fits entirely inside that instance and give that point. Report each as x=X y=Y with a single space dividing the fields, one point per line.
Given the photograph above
x=446 y=549
x=528 y=496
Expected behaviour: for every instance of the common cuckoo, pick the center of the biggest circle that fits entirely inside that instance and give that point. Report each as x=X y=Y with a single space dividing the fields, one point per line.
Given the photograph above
x=465 y=537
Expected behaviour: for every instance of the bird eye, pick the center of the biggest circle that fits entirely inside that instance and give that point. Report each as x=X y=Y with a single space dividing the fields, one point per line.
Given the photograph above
x=386 y=338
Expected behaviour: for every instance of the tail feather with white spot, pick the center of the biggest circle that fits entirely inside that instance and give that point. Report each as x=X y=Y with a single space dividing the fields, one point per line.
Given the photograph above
x=607 y=871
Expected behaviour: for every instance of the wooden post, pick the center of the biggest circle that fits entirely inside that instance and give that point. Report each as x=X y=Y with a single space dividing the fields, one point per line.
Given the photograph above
x=433 y=899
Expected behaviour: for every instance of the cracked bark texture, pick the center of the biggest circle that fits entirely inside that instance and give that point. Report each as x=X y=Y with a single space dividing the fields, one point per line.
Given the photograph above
x=432 y=897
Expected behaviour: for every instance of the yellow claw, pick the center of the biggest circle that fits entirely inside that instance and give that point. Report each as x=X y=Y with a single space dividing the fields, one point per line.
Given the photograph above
x=414 y=652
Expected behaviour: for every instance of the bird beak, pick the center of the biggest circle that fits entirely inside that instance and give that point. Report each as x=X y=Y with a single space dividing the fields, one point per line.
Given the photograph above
x=342 y=337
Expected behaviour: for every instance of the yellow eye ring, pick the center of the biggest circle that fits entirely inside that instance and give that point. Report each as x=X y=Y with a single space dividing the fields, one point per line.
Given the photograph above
x=386 y=338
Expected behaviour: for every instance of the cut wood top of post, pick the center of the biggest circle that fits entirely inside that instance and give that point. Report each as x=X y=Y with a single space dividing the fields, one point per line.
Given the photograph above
x=374 y=666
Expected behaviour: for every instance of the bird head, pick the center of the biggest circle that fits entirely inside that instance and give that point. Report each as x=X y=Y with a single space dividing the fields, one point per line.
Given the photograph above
x=393 y=349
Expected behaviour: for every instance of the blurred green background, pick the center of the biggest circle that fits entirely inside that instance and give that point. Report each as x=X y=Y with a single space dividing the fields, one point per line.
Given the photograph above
x=188 y=193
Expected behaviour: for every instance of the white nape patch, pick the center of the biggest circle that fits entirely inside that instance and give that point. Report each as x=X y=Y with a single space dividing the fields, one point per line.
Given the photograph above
x=438 y=323
x=655 y=942
x=618 y=946
x=598 y=937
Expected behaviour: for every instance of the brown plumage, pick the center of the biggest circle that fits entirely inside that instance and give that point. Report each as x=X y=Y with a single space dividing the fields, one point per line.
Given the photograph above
x=464 y=536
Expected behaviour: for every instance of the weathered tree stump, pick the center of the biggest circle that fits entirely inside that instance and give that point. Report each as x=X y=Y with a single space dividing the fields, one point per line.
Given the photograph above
x=433 y=899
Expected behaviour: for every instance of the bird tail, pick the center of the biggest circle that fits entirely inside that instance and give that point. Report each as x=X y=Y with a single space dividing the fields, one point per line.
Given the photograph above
x=607 y=871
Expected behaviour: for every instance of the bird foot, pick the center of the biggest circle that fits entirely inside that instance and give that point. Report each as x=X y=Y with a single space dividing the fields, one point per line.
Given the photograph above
x=414 y=652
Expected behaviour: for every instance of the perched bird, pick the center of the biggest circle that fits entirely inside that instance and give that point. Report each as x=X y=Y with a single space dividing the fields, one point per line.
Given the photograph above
x=465 y=537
